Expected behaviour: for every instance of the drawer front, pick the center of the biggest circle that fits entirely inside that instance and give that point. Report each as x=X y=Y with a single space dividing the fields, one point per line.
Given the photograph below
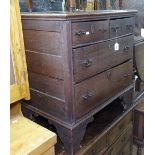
x=119 y=27
x=86 y=32
x=93 y=59
x=118 y=146
x=127 y=148
x=116 y=131
x=97 y=147
x=98 y=89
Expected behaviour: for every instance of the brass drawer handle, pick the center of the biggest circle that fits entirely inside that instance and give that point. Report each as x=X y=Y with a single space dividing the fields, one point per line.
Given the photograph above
x=126 y=48
x=81 y=33
x=87 y=63
x=88 y=95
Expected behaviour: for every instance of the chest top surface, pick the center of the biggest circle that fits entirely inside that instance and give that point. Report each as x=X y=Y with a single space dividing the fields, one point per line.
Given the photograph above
x=78 y=14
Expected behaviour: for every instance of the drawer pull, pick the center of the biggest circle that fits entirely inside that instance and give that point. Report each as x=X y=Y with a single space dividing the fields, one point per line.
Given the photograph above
x=111 y=46
x=129 y=27
x=87 y=63
x=103 y=30
x=81 y=33
x=126 y=48
x=88 y=95
x=114 y=29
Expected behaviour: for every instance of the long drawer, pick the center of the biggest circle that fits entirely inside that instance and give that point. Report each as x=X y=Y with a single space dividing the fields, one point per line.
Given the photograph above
x=96 y=58
x=118 y=128
x=123 y=26
x=98 y=146
x=86 y=32
x=98 y=89
x=117 y=147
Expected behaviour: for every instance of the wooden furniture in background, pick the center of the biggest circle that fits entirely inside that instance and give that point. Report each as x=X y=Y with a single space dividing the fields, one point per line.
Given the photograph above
x=139 y=126
x=27 y=137
x=70 y=5
x=73 y=70
x=29 y=5
x=111 y=131
x=138 y=54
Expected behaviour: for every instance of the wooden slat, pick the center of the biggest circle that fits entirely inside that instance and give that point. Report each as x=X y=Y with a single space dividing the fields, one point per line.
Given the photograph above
x=43 y=41
x=45 y=64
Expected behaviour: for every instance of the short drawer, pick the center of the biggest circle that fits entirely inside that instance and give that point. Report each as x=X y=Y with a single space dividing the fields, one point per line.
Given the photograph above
x=123 y=26
x=116 y=131
x=99 y=145
x=86 y=32
x=118 y=146
x=93 y=59
x=98 y=89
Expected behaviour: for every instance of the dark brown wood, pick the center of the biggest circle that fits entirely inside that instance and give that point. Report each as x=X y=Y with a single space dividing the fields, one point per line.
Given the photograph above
x=139 y=126
x=61 y=90
x=88 y=61
x=127 y=148
x=85 y=32
x=139 y=57
x=118 y=129
x=99 y=145
x=139 y=19
x=41 y=25
x=45 y=64
x=119 y=27
x=72 y=137
x=51 y=86
x=47 y=103
x=97 y=132
x=116 y=148
x=105 y=85
x=40 y=41
x=79 y=15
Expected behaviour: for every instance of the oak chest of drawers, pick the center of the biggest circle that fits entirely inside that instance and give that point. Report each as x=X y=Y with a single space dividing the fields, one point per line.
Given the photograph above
x=111 y=132
x=74 y=67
